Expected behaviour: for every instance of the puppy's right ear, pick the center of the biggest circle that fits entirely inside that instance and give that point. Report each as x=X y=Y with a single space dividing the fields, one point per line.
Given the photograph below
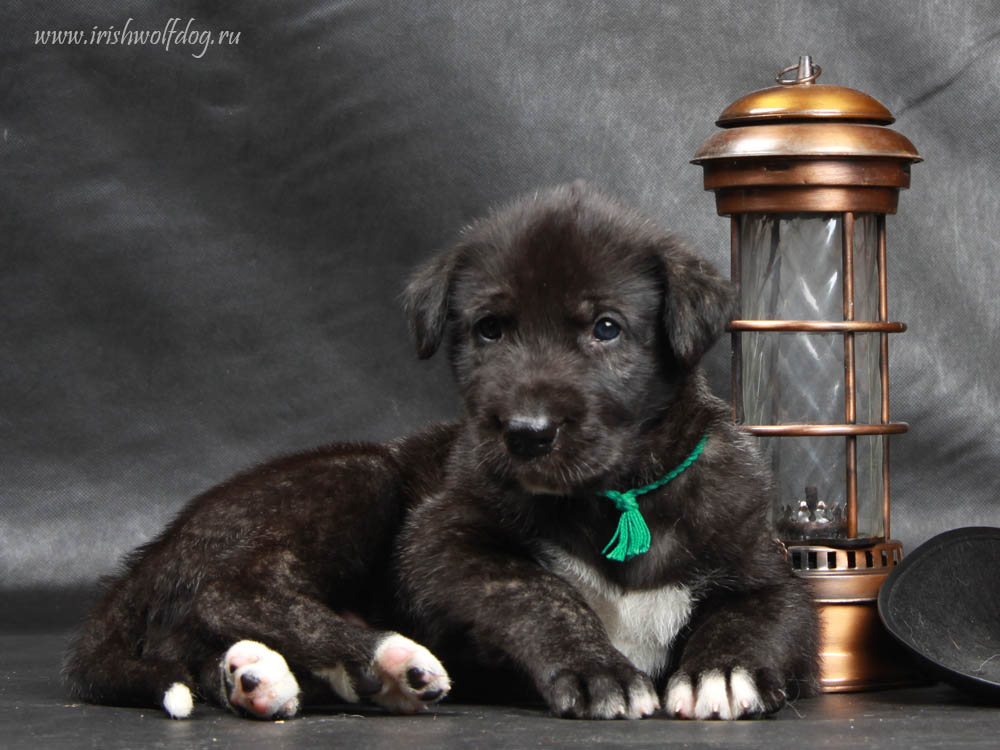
x=426 y=301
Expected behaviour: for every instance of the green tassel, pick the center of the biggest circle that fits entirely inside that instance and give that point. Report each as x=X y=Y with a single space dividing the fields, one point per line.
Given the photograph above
x=632 y=535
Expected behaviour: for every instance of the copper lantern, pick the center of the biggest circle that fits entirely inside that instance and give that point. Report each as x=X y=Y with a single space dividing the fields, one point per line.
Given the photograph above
x=807 y=172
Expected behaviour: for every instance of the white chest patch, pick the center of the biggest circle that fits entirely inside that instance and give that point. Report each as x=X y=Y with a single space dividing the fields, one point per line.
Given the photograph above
x=641 y=624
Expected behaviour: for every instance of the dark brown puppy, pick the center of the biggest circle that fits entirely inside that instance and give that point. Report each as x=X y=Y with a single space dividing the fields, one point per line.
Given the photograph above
x=574 y=330
x=575 y=327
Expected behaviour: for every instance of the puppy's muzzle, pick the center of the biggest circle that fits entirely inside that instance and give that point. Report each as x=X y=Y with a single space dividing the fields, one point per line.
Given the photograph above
x=530 y=438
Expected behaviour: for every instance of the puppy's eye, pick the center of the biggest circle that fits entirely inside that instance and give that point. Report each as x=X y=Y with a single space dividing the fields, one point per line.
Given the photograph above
x=489 y=328
x=606 y=329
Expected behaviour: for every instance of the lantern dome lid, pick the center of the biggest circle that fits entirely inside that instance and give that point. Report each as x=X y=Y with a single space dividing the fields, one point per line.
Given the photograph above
x=801 y=99
x=806 y=147
x=800 y=118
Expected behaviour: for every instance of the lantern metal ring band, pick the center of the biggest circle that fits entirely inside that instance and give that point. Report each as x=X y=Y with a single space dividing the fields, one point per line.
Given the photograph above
x=817 y=326
x=825 y=430
x=816 y=70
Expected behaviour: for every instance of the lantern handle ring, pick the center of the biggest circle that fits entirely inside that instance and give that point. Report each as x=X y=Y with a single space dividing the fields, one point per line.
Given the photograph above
x=780 y=78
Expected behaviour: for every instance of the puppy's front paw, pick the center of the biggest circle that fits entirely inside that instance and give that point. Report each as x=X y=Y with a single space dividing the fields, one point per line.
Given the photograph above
x=714 y=695
x=256 y=681
x=613 y=692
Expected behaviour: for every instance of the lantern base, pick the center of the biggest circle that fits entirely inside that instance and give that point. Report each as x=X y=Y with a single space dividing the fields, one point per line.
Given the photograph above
x=856 y=652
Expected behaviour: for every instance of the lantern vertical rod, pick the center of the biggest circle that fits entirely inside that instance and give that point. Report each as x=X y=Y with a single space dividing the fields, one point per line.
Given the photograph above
x=736 y=274
x=883 y=316
x=850 y=385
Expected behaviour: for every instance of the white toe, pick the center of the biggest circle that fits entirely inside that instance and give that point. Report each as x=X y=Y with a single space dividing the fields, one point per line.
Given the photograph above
x=744 y=698
x=712 y=701
x=643 y=703
x=611 y=708
x=679 y=697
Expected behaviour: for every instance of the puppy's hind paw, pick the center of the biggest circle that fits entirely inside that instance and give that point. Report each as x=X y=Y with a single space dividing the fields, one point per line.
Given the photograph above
x=256 y=681
x=713 y=695
x=411 y=676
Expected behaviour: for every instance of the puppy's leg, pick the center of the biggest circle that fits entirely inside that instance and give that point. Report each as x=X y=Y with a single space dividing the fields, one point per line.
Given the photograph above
x=467 y=579
x=745 y=653
x=542 y=625
x=276 y=629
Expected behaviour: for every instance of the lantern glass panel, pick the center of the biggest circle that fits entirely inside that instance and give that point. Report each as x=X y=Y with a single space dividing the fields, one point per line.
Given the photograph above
x=792 y=268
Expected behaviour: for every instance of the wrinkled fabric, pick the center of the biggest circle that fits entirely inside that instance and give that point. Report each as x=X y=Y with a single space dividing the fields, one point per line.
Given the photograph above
x=203 y=246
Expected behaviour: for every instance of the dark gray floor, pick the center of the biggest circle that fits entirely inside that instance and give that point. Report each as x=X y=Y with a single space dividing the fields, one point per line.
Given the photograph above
x=35 y=712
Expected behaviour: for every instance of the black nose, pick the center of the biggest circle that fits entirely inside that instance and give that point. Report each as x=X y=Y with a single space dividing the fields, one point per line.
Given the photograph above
x=526 y=438
x=248 y=682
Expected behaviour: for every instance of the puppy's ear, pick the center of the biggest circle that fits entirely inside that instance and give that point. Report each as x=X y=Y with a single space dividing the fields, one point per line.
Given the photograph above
x=425 y=300
x=699 y=303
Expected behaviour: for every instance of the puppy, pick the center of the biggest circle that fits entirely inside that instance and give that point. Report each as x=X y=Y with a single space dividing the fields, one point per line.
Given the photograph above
x=595 y=525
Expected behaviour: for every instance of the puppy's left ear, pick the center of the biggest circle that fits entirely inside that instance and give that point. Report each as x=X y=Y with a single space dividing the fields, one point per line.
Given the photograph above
x=699 y=303
x=426 y=299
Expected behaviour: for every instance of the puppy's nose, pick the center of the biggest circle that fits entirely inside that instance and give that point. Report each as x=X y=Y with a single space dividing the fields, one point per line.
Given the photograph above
x=529 y=438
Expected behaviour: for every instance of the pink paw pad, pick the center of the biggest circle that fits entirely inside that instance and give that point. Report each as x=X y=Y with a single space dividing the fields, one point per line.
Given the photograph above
x=258 y=681
x=411 y=676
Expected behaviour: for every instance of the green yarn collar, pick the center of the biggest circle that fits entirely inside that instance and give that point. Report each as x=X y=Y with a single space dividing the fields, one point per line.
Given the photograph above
x=632 y=536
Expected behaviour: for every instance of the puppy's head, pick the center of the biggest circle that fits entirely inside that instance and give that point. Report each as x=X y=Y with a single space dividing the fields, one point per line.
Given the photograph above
x=571 y=320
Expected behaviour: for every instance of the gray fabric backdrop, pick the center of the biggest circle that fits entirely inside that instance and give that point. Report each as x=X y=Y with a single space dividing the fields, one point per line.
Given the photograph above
x=202 y=249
